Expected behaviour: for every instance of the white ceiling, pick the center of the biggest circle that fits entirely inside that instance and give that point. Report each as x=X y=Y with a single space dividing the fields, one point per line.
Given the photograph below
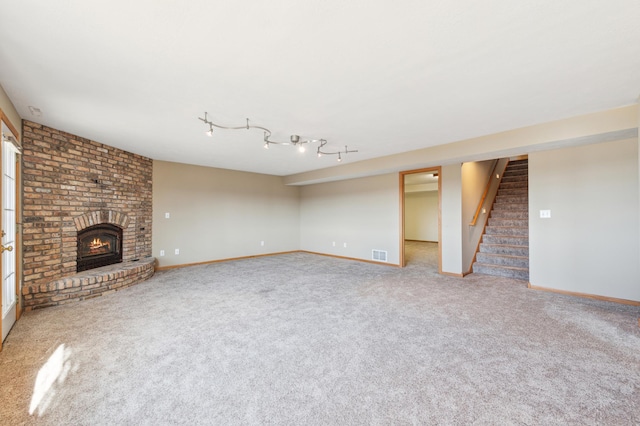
x=382 y=77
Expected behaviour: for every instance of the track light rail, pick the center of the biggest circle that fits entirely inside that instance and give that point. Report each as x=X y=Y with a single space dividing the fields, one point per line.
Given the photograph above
x=295 y=140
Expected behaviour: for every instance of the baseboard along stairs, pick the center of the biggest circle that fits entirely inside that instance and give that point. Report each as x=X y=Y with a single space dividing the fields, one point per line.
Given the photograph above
x=504 y=250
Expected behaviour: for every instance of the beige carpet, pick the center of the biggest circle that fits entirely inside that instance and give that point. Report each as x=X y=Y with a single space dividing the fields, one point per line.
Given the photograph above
x=304 y=339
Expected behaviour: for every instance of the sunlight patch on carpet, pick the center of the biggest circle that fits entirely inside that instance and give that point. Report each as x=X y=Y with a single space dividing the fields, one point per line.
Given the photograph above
x=53 y=371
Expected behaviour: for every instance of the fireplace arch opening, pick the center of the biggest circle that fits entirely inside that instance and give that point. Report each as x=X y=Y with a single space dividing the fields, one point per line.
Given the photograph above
x=99 y=245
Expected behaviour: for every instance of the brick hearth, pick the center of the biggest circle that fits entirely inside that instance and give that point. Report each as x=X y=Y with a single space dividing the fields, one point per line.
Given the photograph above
x=88 y=284
x=70 y=183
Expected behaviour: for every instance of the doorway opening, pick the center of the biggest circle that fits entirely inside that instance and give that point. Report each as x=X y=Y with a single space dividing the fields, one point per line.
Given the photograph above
x=420 y=234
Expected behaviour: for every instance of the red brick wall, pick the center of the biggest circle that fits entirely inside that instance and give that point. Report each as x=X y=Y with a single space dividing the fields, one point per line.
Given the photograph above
x=65 y=177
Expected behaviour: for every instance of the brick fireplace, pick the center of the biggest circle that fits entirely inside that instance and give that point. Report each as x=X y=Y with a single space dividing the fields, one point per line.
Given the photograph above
x=71 y=184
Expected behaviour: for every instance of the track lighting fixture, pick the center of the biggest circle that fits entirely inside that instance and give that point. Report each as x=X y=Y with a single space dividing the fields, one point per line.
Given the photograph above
x=294 y=140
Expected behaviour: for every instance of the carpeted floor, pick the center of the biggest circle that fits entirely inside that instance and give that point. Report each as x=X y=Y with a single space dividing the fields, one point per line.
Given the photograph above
x=304 y=339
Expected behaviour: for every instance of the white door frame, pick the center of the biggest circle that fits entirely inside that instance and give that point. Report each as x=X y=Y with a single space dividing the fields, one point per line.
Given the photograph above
x=9 y=299
x=438 y=170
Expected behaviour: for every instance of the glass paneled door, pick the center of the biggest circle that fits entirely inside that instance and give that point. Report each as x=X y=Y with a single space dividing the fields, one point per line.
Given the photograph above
x=8 y=242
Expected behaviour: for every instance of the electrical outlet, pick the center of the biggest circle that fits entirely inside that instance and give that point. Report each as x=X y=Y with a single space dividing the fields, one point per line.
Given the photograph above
x=345 y=245
x=262 y=243
x=167 y=215
x=334 y=243
x=161 y=252
x=177 y=251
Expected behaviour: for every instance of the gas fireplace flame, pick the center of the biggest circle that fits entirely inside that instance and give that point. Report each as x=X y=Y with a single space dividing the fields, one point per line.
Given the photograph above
x=97 y=244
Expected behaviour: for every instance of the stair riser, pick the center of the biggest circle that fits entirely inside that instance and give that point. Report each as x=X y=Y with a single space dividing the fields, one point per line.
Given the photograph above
x=507 y=230
x=515 y=192
x=510 y=214
x=514 y=179
x=501 y=272
x=522 y=173
x=511 y=206
x=502 y=249
x=506 y=239
x=516 y=171
x=509 y=199
x=514 y=185
x=517 y=262
x=508 y=222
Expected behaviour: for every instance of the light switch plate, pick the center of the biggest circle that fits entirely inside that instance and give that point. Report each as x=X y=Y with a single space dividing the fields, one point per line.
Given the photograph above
x=545 y=214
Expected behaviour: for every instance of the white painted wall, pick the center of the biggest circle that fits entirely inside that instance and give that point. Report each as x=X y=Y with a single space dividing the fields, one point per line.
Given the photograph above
x=220 y=214
x=363 y=213
x=590 y=244
x=421 y=216
x=451 y=218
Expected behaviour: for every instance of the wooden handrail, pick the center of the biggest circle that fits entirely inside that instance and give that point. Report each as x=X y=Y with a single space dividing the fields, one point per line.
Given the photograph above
x=484 y=195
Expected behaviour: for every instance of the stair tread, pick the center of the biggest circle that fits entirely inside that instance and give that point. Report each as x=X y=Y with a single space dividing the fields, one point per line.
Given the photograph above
x=507 y=227
x=512 y=240
x=510 y=212
x=507 y=246
x=521 y=237
x=513 y=268
x=499 y=204
x=514 y=256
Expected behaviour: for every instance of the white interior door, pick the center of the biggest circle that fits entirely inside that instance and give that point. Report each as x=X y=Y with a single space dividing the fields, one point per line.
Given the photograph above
x=8 y=209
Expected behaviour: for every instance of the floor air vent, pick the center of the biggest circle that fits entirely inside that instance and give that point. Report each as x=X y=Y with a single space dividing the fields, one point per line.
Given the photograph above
x=379 y=255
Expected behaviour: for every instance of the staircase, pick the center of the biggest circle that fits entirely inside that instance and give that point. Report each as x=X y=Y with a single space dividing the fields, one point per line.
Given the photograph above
x=504 y=250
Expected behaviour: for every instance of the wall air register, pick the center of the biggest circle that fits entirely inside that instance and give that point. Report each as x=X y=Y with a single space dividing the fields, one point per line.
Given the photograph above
x=379 y=255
